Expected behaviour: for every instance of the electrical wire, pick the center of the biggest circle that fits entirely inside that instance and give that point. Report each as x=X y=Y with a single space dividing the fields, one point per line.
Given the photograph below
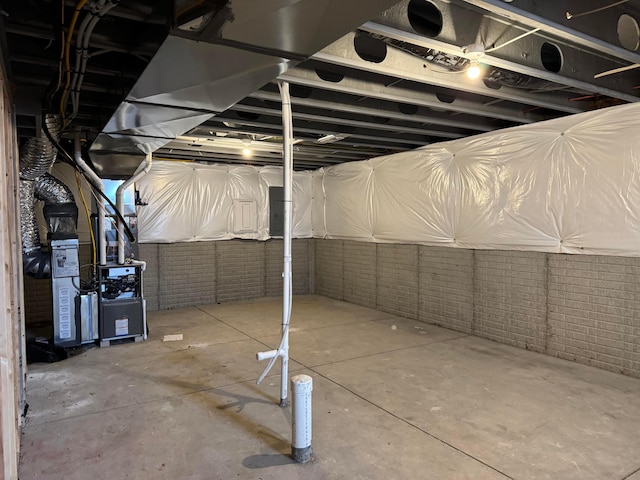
x=525 y=34
x=86 y=210
x=617 y=70
x=94 y=187
x=67 y=47
x=595 y=10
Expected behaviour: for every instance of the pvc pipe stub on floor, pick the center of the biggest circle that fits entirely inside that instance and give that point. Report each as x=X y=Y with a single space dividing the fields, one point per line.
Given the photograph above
x=301 y=388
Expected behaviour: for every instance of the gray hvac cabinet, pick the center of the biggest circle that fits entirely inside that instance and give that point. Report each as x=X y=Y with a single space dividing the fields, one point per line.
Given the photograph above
x=120 y=302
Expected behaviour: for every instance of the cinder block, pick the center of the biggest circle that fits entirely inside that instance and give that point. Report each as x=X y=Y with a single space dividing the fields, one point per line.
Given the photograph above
x=240 y=270
x=359 y=266
x=397 y=279
x=446 y=287
x=329 y=268
x=506 y=308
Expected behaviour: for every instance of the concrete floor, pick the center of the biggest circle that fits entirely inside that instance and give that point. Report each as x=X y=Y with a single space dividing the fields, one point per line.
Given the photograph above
x=393 y=399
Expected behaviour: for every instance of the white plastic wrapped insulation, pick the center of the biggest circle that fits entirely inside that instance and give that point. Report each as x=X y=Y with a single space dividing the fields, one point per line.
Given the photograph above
x=348 y=191
x=194 y=202
x=318 y=222
x=569 y=185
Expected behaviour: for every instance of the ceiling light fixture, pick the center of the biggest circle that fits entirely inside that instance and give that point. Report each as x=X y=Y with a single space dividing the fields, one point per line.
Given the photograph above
x=473 y=71
x=331 y=138
x=473 y=53
x=246 y=152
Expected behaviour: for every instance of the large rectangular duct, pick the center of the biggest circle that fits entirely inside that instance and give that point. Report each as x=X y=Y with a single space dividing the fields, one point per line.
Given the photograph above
x=218 y=52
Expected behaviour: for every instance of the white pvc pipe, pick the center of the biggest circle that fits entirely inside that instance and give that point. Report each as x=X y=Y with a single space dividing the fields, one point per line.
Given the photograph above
x=96 y=180
x=287 y=181
x=282 y=351
x=301 y=388
x=142 y=170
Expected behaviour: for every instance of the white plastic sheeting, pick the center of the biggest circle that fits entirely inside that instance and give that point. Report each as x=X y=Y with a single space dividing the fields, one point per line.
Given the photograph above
x=569 y=185
x=194 y=202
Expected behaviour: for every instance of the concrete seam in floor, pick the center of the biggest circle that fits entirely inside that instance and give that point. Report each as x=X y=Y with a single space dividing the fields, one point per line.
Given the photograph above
x=632 y=473
x=444 y=442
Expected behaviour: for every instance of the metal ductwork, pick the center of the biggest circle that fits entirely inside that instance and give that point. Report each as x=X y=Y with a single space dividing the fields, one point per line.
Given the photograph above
x=217 y=53
x=37 y=157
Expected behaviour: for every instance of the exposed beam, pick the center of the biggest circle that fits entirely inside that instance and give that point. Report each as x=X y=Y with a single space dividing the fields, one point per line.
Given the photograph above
x=512 y=13
x=373 y=112
x=366 y=88
x=386 y=142
x=511 y=58
x=403 y=65
x=239 y=107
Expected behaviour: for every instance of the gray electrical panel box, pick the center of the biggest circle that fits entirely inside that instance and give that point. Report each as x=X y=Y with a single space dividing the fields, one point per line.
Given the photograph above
x=276 y=211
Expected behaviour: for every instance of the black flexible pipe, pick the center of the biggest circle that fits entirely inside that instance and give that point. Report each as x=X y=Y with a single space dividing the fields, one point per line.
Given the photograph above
x=71 y=160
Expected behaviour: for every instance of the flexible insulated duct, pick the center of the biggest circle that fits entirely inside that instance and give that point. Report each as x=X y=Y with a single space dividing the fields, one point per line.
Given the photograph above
x=37 y=156
x=51 y=190
x=30 y=235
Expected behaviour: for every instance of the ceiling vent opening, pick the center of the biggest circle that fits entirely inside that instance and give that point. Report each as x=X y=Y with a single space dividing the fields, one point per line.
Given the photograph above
x=248 y=116
x=628 y=32
x=407 y=108
x=369 y=48
x=425 y=18
x=445 y=97
x=551 y=57
x=329 y=76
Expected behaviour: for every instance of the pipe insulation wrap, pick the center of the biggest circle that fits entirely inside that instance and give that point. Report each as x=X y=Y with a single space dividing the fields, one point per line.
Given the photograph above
x=29 y=224
x=38 y=153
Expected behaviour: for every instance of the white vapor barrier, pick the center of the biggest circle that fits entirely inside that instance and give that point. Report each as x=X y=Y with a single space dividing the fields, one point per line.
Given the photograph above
x=189 y=202
x=568 y=185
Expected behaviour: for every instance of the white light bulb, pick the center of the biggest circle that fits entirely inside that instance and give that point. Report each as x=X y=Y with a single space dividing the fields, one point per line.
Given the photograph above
x=246 y=152
x=473 y=71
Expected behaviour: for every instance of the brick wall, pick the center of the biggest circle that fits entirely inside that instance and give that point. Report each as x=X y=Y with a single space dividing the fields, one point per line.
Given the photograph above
x=397 y=279
x=594 y=311
x=196 y=273
x=447 y=297
x=510 y=298
x=577 y=307
x=359 y=264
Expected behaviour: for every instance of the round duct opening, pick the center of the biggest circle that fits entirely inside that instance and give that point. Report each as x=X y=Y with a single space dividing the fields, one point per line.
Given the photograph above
x=628 y=32
x=329 y=76
x=369 y=48
x=407 y=108
x=445 y=97
x=551 y=57
x=425 y=18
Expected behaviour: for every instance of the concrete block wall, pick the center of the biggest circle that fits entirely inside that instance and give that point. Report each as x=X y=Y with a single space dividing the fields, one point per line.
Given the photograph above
x=510 y=297
x=594 y=311
x=197 y=273
x=577 y=307
x=448 y=300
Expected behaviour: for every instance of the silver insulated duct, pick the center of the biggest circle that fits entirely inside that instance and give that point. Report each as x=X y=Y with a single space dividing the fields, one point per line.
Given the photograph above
x=217 y=53
x=36 y=158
